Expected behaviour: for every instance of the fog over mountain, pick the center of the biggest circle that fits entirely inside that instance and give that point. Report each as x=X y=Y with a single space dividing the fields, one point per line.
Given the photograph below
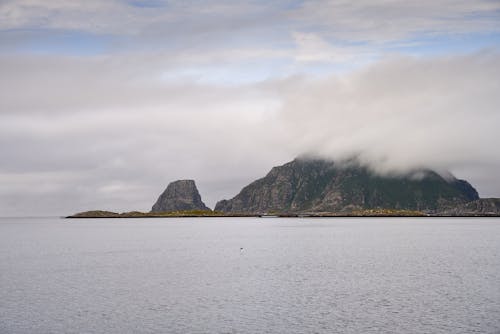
x=402 y=113
x=105 y=115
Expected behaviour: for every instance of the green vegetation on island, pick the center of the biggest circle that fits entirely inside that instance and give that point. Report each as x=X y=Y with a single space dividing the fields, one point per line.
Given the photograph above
x=209 y=213
x=387 y=213
x=138 y=214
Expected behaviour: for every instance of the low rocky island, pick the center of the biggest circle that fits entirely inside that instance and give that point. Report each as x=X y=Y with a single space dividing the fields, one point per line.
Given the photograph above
x=210 y=213
x=321 y=188
x=151 y=214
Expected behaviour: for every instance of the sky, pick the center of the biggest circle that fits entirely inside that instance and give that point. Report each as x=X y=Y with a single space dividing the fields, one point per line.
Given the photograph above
x=103 y=103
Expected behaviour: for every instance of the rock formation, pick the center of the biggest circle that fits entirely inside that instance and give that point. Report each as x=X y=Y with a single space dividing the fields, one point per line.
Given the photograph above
x=479 y=207
x=323 y=186
x=180 y=195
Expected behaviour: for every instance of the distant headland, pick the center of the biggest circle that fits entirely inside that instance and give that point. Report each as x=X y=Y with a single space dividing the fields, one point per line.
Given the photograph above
x=321 y=188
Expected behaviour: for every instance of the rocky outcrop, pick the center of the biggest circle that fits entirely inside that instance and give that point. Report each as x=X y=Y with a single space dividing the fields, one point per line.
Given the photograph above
x=323 y=186
x=479 y=207
x=180 y=195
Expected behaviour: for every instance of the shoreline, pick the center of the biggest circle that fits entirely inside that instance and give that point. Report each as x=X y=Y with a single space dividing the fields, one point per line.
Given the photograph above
x=362 y=214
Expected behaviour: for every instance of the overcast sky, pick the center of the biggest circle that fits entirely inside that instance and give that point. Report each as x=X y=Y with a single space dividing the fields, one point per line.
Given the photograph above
x=103 y=103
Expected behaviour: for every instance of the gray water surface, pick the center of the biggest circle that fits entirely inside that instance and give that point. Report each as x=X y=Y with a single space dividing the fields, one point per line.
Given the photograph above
x=189 y=275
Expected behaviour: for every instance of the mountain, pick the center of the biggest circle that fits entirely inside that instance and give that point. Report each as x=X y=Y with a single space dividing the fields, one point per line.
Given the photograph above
x=479 y=207
x=304 y=185
x=181 y=195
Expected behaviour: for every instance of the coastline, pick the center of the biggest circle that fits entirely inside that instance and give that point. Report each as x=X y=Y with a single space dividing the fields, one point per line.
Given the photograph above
x=211 y=214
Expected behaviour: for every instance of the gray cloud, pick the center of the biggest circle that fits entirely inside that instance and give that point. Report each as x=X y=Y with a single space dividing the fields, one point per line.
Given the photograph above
x=78 y=134
x=161 y=90
x=362 y=19
x=385 y=21
x=403 y=113
x=163 y=21
x=227 y=25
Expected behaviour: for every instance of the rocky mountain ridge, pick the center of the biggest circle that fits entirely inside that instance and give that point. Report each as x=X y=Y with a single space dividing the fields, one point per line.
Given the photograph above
x=312 y=186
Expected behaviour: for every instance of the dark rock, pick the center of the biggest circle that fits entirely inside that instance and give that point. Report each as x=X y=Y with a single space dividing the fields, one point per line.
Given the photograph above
x=323 y=186
x=479 y=207
x=180 y=195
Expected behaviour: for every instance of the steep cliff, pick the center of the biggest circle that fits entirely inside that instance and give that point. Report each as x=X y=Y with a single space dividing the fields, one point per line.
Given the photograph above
x=323 y=186
x=180 y=195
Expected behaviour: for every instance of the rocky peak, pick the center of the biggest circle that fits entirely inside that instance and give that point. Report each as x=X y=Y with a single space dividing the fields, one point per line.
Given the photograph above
x=180 y=195
x=323 y=186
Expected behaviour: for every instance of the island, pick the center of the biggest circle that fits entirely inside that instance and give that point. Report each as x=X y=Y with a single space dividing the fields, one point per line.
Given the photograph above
x=308 y=187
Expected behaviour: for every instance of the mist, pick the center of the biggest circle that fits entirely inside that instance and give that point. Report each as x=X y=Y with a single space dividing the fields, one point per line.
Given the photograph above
x=402 y=113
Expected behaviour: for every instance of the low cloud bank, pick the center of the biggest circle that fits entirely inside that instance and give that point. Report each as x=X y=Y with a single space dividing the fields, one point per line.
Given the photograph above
x=402 y=113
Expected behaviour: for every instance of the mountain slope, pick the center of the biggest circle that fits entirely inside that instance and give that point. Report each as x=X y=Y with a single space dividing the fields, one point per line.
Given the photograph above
x=480 y=207
x=321 y=186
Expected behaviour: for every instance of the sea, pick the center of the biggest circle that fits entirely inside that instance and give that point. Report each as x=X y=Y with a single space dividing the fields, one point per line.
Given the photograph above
x=250 y=275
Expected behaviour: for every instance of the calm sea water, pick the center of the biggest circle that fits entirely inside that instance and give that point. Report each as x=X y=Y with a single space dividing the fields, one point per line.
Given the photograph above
x=292 y=276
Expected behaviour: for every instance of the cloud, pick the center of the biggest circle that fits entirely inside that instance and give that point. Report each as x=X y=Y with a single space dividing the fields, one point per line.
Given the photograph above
x=345 y=19
x=131 y=18
x=85 y=133
x=396 y=20
x=81 y=133
x=337 y=29
x=403 y=113
x=103 y=103
x=313 y=48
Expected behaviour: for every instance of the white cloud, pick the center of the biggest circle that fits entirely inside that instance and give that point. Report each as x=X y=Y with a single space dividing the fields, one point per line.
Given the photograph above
x=312 y=48
x=403 y=113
